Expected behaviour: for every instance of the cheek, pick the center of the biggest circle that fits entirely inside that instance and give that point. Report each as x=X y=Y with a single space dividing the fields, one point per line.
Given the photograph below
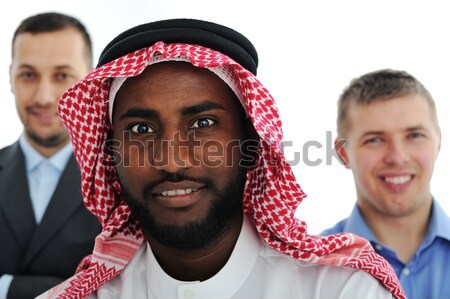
x=127 y=151
x=134 y=157
x=217 y=151
x=22 y=96
x=129 y=157
x=363 y=163
x=235 y=149
x=426 y=160
x=211 y=153
x=60 y=90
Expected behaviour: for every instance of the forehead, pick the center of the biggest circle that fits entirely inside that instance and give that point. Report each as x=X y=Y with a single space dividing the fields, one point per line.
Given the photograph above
x=61 y=47
x=171 y=83
x=398 y=113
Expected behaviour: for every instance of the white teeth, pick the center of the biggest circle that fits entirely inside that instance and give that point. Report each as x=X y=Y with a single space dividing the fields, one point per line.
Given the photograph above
x=177 y=192
x=397 y=179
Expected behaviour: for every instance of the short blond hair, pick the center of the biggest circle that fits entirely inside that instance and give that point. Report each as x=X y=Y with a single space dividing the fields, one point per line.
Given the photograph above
x=382 y=84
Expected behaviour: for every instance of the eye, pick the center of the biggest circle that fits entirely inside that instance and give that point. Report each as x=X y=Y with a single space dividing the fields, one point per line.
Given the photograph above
x=373 y=140
x=27 y=76
x=202 y=123
x=61 y=76
x=141 y=129
x=415 y=135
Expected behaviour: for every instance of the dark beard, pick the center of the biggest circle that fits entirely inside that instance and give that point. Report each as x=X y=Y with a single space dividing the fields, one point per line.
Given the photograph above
x=49 y=142
x=222 y=213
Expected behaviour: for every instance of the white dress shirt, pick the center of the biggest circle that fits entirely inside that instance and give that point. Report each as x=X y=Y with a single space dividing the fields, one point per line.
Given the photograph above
x=253 y=271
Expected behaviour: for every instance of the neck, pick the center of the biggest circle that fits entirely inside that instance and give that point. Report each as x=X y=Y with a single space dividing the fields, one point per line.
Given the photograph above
x=403 y=234
x=199 y=264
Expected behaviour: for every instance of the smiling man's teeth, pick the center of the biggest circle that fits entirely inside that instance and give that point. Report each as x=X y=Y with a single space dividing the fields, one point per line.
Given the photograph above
x=177 y=192
x=397 y=179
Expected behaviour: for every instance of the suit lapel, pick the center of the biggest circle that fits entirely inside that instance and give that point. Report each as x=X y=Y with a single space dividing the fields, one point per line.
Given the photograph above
x=65 y=201
x=15 y=202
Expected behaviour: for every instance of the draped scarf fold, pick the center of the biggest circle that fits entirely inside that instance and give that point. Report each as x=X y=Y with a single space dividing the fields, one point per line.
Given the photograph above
x=271 y=195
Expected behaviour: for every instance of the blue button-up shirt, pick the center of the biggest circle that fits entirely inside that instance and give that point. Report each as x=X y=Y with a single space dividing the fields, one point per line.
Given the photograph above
x=427 y=274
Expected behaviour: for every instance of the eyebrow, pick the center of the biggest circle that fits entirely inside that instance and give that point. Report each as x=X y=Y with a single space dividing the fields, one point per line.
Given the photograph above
x=26 y=66
x=202 y=107
x=187 y=111
x=409 y=129
x=416 y=128
x=372 y=133
x=58 y=67
x=64 y=66
x=139 y=113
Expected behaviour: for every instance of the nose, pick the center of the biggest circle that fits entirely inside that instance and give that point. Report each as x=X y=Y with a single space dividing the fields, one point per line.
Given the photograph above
x=45 y=93
x=396 y=154
x=173 y=152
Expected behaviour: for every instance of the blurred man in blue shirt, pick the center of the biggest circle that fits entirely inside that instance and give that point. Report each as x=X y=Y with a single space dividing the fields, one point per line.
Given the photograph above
x=389 y=122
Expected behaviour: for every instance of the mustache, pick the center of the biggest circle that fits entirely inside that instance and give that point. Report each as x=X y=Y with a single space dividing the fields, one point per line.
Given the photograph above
x=42 y=106
x=174 y=177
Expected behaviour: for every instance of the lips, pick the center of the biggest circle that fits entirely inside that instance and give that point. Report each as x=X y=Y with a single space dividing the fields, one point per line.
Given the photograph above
x=176 y=188
x=44 y=115
x=178 y=195
x=178 y=192
x=398 y=182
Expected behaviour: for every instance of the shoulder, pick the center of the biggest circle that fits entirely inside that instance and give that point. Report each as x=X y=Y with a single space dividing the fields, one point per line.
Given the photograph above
x=6 y=149
x=131 y=282
x=311 y=278
x=337 y=228
x=9 y=152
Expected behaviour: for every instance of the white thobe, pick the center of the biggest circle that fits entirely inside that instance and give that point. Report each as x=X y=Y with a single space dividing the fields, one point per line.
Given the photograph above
x=253 y=270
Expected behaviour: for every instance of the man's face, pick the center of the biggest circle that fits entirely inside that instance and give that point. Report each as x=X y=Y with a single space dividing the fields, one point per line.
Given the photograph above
x=45 y=65
x=178 y=132
x=392 y=147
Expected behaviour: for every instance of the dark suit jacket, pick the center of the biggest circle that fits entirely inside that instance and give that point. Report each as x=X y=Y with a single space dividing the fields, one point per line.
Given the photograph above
x=41 y=256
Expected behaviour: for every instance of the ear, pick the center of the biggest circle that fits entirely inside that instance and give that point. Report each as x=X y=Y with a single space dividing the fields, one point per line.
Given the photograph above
x=10 y=79
x=339 y=145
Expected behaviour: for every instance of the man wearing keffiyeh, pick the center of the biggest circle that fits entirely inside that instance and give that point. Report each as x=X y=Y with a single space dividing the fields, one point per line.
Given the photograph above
x=179 y=145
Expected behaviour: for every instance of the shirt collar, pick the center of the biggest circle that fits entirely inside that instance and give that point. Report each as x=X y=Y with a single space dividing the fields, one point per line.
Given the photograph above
x=357 y=225
x=33 y=158
x=224 y=284
x=439 y=223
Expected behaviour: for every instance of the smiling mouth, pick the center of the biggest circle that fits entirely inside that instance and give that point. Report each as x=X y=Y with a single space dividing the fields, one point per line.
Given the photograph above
x=179 y=198
x=397 y=180
x=177 y=192
x=44 y=115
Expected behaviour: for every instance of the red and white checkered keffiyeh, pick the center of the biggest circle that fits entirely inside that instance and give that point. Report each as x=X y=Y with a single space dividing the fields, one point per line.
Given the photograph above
x=271 y=196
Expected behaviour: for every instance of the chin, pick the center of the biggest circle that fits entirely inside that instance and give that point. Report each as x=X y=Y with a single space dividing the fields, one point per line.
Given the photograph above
x=49 y=140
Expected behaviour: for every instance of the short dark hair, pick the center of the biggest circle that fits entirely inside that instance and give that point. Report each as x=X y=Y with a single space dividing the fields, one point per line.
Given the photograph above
x=50 y=22
x=382 y=84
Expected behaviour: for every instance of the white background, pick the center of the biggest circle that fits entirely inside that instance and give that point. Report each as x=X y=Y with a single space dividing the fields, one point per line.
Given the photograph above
x=308 y=50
